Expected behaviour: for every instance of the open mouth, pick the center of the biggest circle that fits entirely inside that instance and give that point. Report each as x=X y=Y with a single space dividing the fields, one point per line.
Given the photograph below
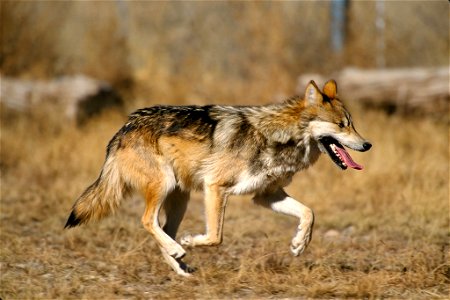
x=338 y=154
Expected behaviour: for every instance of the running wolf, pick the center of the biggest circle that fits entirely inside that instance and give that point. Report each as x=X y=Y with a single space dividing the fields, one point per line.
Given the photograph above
x=164 y=152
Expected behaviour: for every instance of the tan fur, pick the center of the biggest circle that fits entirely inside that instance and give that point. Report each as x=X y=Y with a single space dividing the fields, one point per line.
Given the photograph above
x=185 y=156
x=103 y=196
x=163 y=152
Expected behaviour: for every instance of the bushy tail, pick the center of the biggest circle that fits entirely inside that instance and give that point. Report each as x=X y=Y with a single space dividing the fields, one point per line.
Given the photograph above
x=101 y=198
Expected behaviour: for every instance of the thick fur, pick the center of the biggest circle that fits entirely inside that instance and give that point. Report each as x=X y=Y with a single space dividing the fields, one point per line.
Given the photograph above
x=163 y=152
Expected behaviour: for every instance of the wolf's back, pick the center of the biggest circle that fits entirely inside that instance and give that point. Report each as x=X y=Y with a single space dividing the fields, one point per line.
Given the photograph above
x=101 y=197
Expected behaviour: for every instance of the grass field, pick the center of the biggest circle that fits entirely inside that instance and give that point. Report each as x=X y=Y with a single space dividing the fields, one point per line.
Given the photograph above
x=380 y=233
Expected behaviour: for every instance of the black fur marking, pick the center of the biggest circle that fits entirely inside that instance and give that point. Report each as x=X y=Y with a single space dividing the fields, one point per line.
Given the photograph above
x=172 y=120
x=195 y=118
x=115 y=142
x=72 y=221
x=244 y=133
x=128 y=127
x=287 y=153
x=256 y=165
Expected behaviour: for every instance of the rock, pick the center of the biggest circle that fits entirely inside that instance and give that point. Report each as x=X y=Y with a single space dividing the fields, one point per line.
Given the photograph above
x=78 y=97
x=332 y=234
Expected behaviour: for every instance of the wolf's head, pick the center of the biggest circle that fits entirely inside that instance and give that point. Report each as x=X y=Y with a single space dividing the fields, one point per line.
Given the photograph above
x=330 y=124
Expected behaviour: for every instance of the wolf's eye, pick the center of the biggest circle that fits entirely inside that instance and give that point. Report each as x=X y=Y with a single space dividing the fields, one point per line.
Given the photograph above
x=341 y=125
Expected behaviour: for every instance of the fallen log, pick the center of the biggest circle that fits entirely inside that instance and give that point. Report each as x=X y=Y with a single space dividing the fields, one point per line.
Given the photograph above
x=415 y=90
x=78 y=97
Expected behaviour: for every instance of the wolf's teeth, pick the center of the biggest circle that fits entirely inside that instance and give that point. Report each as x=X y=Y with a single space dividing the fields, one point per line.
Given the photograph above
x=333 y=147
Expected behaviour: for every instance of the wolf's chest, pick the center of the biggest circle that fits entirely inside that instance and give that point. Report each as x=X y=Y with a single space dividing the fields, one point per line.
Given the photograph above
x=249 y=183
x=286 y=159
x=274 y=167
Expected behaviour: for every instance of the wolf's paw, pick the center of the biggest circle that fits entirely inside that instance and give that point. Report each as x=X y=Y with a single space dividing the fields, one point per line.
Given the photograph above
x=185 y=270
x=178 y=265
x=302 y=238
x=194 y=240
x=299 y=244
x=297 y=249
x=176 y=252
x=187 y=240
x=199 y=240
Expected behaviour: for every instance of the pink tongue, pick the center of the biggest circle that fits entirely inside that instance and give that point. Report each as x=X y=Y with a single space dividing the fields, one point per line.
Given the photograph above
x=347 y=159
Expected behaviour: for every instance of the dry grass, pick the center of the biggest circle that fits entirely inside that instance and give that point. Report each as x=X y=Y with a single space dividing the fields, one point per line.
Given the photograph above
x=380 y=233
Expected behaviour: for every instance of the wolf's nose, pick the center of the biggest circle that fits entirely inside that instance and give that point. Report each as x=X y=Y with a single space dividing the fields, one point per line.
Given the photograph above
x=367 y=146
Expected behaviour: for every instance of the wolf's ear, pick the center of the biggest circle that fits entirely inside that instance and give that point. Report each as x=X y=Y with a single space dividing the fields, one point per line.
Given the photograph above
x=330 y=89
x=313 y=94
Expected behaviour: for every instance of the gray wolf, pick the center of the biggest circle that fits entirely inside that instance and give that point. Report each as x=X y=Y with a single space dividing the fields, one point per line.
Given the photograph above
x=164 y=152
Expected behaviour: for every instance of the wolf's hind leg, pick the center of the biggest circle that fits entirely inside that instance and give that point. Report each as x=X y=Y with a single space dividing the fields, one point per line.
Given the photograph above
x=171 y=250
x=280 y=202
x=154 y=199
x=175 y=207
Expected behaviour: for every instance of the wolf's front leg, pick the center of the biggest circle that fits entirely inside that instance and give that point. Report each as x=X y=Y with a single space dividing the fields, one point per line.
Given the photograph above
x=280 y=202
x=215 y=202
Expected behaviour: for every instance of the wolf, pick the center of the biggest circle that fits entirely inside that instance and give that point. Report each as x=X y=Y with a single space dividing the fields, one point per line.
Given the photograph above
x=164 y=152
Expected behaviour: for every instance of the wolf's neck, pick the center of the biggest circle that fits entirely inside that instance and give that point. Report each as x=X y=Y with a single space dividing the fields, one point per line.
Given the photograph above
x=279 y=123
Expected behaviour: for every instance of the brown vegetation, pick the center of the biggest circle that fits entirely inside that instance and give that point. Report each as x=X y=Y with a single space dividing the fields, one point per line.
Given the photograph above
x=381 y=232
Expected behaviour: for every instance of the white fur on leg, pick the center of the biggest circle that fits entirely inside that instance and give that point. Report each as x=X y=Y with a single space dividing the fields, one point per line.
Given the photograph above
x=174 y=249
x=280 y=202
x=290 y=206
x=304 y=233
x=169 y=245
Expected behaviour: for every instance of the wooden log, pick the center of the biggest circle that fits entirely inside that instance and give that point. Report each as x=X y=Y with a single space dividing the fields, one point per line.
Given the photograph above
x=75 y=98
x=414 y=90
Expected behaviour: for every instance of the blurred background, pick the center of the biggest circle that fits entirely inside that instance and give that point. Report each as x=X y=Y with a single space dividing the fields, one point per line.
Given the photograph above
x=216 y=52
